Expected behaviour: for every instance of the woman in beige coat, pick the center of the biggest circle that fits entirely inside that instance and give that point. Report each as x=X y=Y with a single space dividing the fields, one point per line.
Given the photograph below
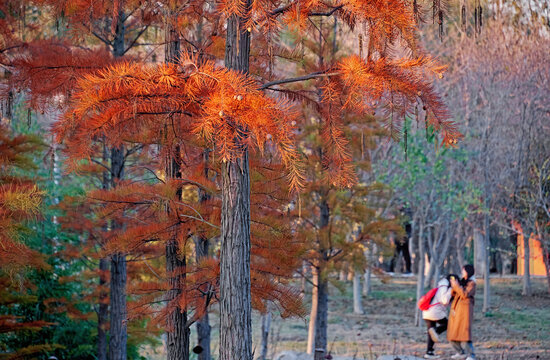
x=461 y=316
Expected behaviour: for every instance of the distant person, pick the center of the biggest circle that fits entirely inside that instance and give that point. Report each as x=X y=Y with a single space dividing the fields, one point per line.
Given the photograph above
x=436 y=316
x=402 y=247
x=461 y=316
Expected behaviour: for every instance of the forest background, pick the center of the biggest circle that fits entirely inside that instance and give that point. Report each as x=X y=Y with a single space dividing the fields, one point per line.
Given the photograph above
x=111 y=248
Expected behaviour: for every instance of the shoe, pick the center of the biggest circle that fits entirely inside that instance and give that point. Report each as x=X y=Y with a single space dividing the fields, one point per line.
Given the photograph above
x=458 y=356
x=431 y=356
x=433 y=334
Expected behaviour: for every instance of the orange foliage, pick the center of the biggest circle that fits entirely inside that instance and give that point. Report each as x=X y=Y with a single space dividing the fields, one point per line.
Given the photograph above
x=48 y=70
x=19 y=200
x=204 y=103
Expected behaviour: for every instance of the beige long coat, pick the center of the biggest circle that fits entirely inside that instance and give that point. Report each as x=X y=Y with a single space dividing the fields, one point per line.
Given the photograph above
x=461 y=315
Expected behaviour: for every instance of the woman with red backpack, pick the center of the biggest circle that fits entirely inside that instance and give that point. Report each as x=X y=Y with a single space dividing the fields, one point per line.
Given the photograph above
x=435 y=314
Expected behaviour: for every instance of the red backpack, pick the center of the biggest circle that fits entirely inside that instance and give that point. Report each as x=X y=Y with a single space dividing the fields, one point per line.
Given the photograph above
x=425 y=301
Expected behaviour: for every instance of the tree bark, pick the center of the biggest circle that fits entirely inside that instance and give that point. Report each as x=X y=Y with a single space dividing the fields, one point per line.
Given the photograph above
x=177 y=329
x=546 y=259
x=303 y=280
x=6 y=108
x=321 y=321
x=177 y=332
x=235 y=298
x=486 y=267
x=203 y=324
x=319 y=354
x=103 y=311
x=526 y=262
x=322 y=315
x=357 y=305
x=420 y=278
x=479 y=252
x=432 y=252
x=103 y=306
x=313 y=312
x=367 y=287
x=459 y=253
x=266 y=325
x=118 y=332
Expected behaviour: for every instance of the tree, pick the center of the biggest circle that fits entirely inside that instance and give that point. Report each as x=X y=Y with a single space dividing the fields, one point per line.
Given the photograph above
x=227 y=104
x=500 y=99
x=19 y=200
x=439 y=198
x=56 y=60
x=336 y=223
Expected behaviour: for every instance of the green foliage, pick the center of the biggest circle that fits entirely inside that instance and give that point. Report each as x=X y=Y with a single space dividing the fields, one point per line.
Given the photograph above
x=426 y=176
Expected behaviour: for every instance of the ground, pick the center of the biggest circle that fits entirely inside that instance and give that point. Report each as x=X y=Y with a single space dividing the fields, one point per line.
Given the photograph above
x=516 y=328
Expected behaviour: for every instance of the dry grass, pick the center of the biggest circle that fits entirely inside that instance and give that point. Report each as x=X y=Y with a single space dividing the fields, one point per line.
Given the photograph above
x=516 y=328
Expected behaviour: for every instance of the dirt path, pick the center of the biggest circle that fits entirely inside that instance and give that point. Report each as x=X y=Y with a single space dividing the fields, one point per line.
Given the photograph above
x=517 y=328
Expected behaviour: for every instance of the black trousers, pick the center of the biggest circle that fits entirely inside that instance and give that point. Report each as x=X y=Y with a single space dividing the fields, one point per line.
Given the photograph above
x=440 y=327
x=401 y=247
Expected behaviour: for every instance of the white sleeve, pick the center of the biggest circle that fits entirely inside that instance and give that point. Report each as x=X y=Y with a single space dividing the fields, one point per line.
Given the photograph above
x=445 y=296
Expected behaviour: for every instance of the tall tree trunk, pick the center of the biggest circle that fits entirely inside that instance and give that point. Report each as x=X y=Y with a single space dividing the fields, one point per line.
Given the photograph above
x=177 y=329
x=313 y=312
x=103 y=310
x=367 y=287
x=546 y=258
x=177 y=332
x=266 y=325
x=526 y=262
x=459 y=251
x=118 y=329
x=420 y=278
x=486 y=267
x=118 y=334
x=444 y=252
x=203 y=324
x=357 y=305
x=322 y=288
x=433 y=253
x=201 y=250
x=103 y=306
x=431 y=271
x=303 y=280
x=479 y=252
x=413 y=246
x=6 y=107
x=235 y=298
x=322 y=316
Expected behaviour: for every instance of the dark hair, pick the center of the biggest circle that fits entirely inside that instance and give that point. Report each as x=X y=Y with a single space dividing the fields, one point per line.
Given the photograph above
x=469 y=270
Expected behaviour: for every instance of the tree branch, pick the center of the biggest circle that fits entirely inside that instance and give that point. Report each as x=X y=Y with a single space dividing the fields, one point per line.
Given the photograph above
x=102 y=39
x=133 y=42
x=326 y=13
x=296 y=79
